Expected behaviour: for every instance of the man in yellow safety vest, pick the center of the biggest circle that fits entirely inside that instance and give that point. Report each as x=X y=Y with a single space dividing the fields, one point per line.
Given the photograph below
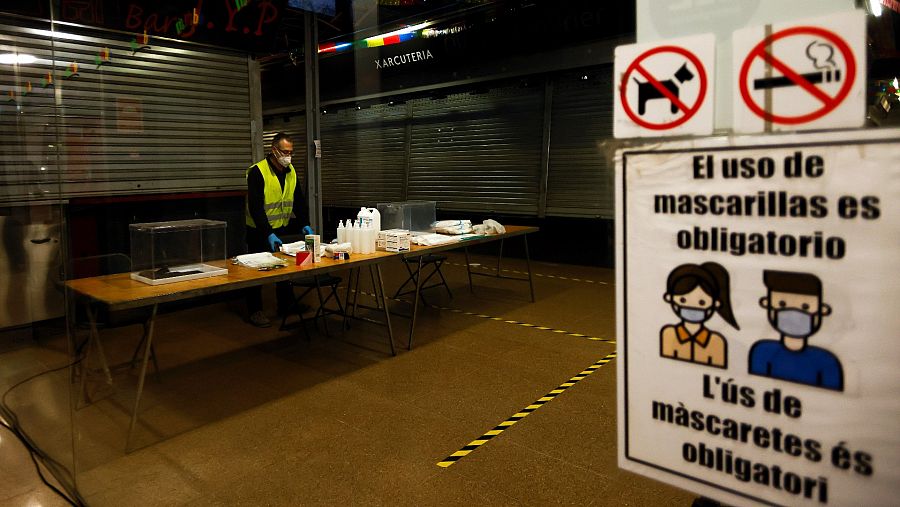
x=274 y=196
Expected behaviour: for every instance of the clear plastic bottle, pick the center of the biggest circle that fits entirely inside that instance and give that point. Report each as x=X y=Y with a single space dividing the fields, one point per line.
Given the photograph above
x=341 y=232
x=355 y=237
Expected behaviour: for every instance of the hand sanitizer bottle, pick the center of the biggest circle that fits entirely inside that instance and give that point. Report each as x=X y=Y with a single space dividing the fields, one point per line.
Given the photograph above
x=355 y=237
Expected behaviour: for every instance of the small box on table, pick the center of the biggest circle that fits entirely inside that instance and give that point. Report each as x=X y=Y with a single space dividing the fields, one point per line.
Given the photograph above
x=313 y=246
x=393 y=240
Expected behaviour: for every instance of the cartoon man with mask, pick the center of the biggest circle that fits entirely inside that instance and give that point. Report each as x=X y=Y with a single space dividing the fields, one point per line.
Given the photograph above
x=794 y=307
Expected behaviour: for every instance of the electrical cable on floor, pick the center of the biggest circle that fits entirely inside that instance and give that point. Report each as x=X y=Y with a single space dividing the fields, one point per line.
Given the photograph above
x=33 y=451
x=40 y=473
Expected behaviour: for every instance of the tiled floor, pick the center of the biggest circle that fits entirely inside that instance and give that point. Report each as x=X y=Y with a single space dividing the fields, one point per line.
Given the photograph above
x=241 y=415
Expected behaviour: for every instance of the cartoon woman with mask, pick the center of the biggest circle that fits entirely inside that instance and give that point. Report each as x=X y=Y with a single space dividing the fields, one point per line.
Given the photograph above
x=696 y=292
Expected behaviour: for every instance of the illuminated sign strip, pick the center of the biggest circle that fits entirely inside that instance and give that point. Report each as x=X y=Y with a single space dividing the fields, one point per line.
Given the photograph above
x=386 y=39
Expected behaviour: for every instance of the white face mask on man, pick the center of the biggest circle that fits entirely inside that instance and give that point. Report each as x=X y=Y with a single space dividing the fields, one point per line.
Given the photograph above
x=284 y=159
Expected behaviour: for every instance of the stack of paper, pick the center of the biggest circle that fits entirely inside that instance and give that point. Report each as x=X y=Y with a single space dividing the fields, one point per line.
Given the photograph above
x=292 y=248
x=258 y=260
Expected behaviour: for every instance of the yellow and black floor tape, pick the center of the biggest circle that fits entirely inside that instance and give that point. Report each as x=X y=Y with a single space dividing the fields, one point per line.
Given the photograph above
x=507 y=321
x=541 y=275
x=500 y=428
x=523 y=324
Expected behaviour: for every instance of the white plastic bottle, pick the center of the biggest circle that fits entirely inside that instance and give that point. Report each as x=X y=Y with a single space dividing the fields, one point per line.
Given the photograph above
x=376 y=219
x=341 y=232
x=363 y=237
x=367 y=233
x=355 y=237
x=364 y=216
x=350 y=237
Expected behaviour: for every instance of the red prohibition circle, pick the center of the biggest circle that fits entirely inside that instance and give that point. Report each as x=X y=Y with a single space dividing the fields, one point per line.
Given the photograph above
x=687 y=113
x=827 y=107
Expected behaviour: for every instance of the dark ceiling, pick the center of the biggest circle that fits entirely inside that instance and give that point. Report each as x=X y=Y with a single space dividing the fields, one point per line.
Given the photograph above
x=477 y=41
x=356 y=19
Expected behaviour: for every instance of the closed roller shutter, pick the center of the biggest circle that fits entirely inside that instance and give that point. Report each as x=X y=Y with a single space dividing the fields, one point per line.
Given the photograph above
x=580 y=180
x=478 y=152
x=363 y=155
x=162 y=119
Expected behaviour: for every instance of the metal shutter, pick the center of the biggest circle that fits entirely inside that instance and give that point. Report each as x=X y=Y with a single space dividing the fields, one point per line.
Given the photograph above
x=163 y=119
x=364 y=155
x=478 y=152
x=580 y=180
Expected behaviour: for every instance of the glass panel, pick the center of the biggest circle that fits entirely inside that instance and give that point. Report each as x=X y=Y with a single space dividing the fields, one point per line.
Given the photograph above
x=35 y=352
x=120 y=119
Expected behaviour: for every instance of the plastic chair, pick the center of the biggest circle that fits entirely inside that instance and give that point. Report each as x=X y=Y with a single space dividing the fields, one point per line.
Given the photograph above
x=316 y=283
x=433 y=260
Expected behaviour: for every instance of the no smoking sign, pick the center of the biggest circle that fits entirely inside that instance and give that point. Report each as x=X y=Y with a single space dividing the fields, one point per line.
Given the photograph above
x=664 y=88
x=801 y=76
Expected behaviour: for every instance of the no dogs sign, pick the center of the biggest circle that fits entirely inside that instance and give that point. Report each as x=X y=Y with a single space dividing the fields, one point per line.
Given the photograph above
x=757 y=289
x=664 y=88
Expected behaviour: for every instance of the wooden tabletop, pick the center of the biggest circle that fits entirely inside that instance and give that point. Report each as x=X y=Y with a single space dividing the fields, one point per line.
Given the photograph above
x=120 y=292
x=511 y=231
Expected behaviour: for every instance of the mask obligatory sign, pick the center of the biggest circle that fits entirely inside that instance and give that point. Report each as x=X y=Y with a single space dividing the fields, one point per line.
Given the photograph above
x=757 y=317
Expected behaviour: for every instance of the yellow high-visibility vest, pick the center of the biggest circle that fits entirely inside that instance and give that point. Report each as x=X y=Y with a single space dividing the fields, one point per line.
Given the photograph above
x=279 y=203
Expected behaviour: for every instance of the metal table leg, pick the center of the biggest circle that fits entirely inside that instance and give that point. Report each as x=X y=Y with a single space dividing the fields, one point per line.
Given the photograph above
x=374 y=287
x=137 y=350
x=92 y=343
x=321 y=309
x=468 y=270
x=95 y=338
x=415 y=308
x=384 y=304
x=499 y=258
x=528 y=263
x=141 y=377
x=347 y=299
x=354 y=289
x=356 y=293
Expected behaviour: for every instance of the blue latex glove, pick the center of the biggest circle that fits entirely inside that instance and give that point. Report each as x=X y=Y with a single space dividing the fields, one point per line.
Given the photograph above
x=308 y=230
x=274 y=242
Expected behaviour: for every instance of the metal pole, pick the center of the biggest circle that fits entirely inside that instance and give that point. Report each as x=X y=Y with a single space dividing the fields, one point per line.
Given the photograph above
x=545 y=149
x=256 y=117
x=313 y=127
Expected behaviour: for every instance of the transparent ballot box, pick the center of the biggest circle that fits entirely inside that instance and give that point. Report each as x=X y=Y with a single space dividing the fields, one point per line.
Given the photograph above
x=413 y=216
x=166 y=252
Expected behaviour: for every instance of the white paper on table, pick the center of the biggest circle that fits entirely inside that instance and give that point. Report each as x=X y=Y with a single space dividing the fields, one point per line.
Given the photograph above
x=257 y=260
x=434 y=239
x=292 y=248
